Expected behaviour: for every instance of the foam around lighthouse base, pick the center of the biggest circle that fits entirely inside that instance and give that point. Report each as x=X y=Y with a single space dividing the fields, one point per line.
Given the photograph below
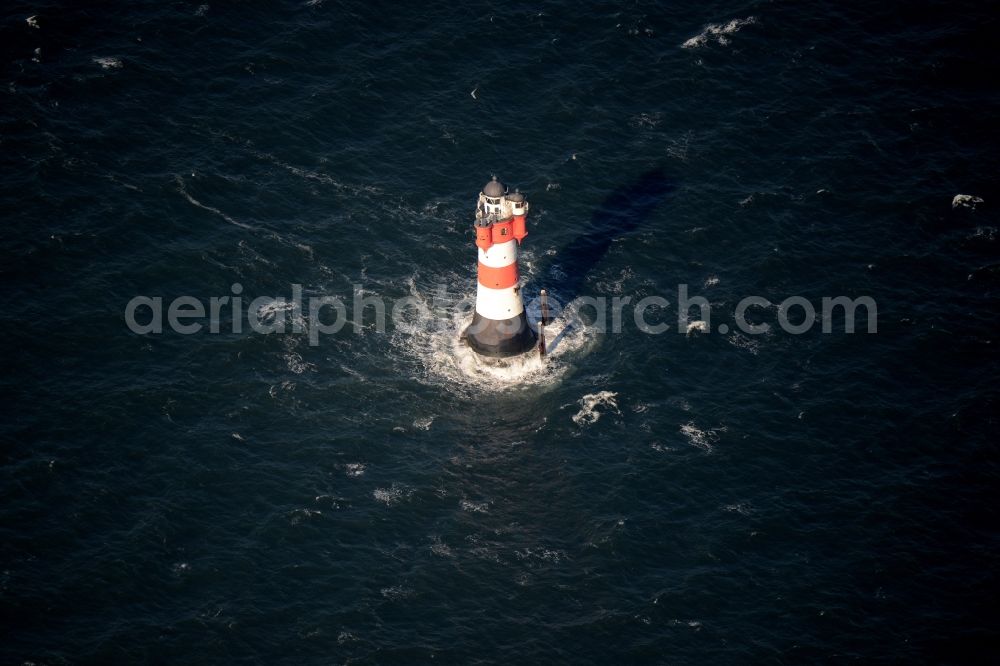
x=499 y=338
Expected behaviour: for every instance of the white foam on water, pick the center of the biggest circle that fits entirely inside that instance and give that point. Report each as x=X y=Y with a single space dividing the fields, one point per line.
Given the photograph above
x=541 y=554
x=741 y=508
x=392 y=495
x=308 y=174
x=354 y=469
x=966 y=201
x=298 y=516
x=182 y=188
x=423 y=423
x=718 y=32
x=751 y=345
x=680 y=147
x=396 y=592
x=697 y=437
x=435 y=344
x=302 y=172
x=332 y=501
x=647 y=120
x=108 y=62
x=694 y=624
x=249 y=147
x=615 y=284
x=268 y=313
x=697 y=327
x=440 y=548
x=296 y=363
x=283 y=387
x=474 y=507
x=589 y=404
x=273 y=314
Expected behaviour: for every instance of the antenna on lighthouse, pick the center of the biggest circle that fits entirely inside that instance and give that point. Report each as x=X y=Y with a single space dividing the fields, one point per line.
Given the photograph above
x=541 y=324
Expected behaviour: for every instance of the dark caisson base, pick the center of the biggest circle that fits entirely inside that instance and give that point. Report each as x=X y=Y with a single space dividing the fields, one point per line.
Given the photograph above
x=499 y=338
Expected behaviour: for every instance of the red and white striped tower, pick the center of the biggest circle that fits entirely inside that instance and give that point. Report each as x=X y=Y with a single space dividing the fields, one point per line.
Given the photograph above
x=499 y=328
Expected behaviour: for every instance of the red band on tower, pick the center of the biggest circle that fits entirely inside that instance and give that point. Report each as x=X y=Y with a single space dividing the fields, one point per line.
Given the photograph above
x=498 y=278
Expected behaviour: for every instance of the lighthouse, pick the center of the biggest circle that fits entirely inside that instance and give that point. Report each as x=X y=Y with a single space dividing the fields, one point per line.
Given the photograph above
x=499 y=328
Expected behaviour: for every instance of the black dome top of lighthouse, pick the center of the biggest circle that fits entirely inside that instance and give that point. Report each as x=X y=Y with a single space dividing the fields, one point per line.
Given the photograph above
x=494 y=188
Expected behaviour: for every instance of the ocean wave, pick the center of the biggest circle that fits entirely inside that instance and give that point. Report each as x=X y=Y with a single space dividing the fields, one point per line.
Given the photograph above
x=589 y=404
x=703 y=439
x=966 y=201
x=474 y=507
x=751 y=345
x=298 y=516
x=182 y=188
x=742 y=508
x=107 y=62
x=440 y=548
x=697 y=327
x=718 y=32
x=392 y=495
x=394 y=592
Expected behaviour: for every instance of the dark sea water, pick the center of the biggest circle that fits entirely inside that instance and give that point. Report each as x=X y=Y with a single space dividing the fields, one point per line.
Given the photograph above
x=384 y=498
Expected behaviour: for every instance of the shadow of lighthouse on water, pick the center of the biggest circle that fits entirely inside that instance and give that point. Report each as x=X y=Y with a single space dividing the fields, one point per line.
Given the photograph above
x=624 y=210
